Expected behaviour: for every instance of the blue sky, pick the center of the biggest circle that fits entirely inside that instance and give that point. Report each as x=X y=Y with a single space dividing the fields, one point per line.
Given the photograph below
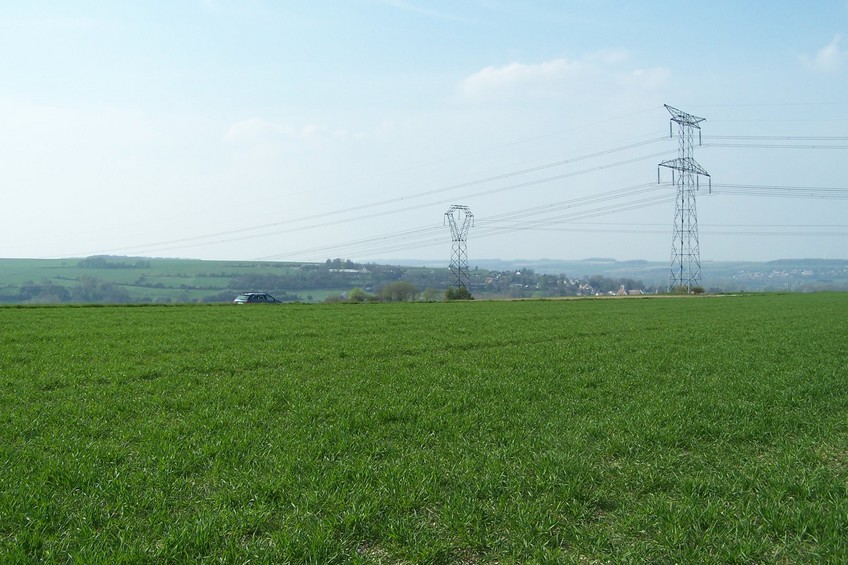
x=308 y=130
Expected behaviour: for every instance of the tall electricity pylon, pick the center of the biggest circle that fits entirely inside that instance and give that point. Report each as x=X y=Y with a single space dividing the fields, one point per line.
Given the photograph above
x=685 y=250
x=460 y=220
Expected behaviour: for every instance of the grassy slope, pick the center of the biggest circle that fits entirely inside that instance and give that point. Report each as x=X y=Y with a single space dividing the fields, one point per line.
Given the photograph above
x=172 y=274
x=667 y=430
x=17 y=271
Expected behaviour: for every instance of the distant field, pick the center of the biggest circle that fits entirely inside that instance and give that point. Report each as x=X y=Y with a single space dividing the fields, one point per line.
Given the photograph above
x=707 y=429
x=20 y=270
x=144 y=279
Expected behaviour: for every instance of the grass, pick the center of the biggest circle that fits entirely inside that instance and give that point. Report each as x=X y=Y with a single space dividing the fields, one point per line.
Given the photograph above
x=672 y=430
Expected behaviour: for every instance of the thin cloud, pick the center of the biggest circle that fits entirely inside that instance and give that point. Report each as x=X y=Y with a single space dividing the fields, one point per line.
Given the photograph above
x=830 y=58
x=520 y=75
x=559 y=76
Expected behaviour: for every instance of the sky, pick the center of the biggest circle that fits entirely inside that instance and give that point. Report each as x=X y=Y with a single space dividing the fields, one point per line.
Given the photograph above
x=302 y=131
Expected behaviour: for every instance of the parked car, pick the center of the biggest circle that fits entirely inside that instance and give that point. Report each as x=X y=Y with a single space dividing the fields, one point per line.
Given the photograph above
x=255 y=298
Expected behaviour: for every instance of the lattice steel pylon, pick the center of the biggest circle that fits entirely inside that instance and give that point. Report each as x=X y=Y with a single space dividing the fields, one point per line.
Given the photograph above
x=460 y=220
x=685 y=272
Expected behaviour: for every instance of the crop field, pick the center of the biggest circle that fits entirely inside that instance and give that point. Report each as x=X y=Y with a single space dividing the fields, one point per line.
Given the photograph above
x=693 y=429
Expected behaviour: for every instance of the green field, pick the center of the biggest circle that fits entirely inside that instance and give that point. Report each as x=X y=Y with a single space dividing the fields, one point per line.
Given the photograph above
x=693 y=429
x=153 y=280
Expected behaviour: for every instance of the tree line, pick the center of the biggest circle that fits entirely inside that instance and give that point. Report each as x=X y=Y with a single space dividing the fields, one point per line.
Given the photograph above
x=90 y=290
x=101 y=262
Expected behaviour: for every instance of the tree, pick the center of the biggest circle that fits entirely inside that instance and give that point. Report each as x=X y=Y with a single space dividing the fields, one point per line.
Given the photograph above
x=399 y=291
x=44 y=293
x=93 y=290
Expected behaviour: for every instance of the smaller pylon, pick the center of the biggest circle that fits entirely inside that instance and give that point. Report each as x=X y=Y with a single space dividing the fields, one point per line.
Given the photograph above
x=460 y=220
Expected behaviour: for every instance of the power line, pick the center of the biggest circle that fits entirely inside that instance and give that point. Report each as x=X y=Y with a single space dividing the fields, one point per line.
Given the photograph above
x=579 y=201
x=538 y=217
x=774 y=191
x=196 y=241
x=778 y=137
x=174 y=245
x=417 y=232
x=644 y=224
x=516 y=221
x=513 y=225
x=419 y=236
x=771 y=104
x=774 y=146
x=704 y=230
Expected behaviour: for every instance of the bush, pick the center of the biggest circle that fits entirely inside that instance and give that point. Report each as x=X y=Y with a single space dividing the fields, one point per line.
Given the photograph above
x=458 y=293
x=680 y=289
x=357 y=295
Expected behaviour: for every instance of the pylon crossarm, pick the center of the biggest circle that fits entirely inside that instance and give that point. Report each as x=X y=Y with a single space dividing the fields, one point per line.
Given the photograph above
x=684 y=118
x=685 y=164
